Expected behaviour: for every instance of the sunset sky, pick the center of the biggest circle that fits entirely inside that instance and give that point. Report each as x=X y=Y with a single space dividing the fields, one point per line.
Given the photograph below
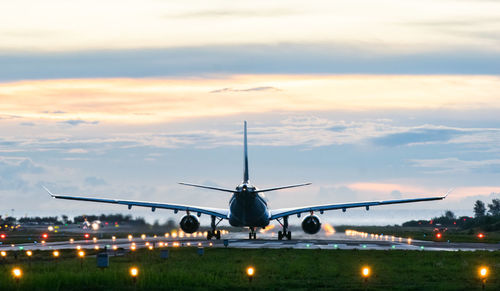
x=365 y=99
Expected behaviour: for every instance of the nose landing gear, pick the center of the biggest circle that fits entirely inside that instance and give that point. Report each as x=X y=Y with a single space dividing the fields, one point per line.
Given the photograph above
x=252 y=234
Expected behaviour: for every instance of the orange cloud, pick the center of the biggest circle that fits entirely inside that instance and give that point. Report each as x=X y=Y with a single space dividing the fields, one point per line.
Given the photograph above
x=161 y=100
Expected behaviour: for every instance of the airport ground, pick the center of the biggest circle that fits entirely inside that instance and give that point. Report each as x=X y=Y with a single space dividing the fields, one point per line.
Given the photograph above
x=329 y=260
x=280 y=269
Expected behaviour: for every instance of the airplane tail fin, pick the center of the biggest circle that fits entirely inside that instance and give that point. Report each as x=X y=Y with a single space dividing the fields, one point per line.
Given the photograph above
x=245 y=153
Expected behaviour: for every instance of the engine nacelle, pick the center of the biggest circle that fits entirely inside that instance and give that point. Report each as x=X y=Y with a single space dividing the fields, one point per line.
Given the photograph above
x=311 y=224
x=189 y=223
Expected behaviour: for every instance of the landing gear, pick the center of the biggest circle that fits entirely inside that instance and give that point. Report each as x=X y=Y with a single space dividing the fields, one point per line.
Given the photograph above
x=285 y=233
x=214 y=233
x=252 y=234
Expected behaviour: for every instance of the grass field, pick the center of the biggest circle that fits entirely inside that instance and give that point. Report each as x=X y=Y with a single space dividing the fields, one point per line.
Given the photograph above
x=275 y=269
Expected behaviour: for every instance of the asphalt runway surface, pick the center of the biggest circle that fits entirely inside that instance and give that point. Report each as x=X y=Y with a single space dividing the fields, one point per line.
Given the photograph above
x=344 y=241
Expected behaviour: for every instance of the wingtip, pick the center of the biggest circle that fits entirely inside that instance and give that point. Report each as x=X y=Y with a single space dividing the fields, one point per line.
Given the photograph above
x=48 y=191
x=448 y=193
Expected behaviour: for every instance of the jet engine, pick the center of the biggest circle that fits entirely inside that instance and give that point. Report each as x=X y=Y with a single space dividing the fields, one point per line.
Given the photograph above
x=311 y=224
x=189 y=223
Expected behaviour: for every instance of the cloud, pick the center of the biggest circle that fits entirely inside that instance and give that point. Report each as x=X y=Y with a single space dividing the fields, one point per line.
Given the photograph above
x=283 y=58
x=217 y=13
x=94 y=181
x=12 y=171
x=256 y=89
x=454 y=165
x=396 y=194
x=76 y=122
x=416 y=136
x=27 y=123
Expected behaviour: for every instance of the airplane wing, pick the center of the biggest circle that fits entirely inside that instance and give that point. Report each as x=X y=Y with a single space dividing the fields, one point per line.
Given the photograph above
x=278 y=213
x=221 y=213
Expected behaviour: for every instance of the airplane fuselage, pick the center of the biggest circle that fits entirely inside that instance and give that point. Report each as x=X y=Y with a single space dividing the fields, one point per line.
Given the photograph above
x=248 y=207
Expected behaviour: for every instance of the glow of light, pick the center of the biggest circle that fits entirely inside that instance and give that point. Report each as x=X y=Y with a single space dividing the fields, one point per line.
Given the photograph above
x=115 y=247
x=55 y=254
x=188 y=244
x=29 y=253
x=132 y=247
x=210 y=244
x=147 y=243
x=86 y=235
x=329 y=230
x=199 y=244
x=483 y=272
x=96 y=247
x=95 y=226
x=94 y=239
x=161 y=244
x=3 y=253
x=438 y=235
x=167 y=234
x=263 y=230
x=81 y=254
x=365 y=272
x=143 y=236
x=409 y=240
x=45 y=235
x=50 y=228
x=113 y=238
x=43 y=241
x=71 y=240
x=78 y=247
x=150 y=248
x=250 y=271
x=481 y=235
x=130 y=237
x=17 y=272
x=2 y=236
x=134 y=272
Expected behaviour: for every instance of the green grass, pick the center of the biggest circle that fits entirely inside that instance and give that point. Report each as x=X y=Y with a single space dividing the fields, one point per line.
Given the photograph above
x=221 y=269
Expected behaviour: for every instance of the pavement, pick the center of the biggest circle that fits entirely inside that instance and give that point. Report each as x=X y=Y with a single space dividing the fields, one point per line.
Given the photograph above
x=346 y=241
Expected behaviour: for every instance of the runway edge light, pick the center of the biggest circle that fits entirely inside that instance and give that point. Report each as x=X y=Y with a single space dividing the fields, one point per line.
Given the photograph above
x=250 y=273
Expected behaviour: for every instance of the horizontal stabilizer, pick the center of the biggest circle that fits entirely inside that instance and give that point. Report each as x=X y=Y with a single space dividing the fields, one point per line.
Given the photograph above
x=283 y=187
x=208 y=187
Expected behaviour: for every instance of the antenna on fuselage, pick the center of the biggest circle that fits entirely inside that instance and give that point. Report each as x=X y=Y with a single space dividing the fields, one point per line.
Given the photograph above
x=245 y=153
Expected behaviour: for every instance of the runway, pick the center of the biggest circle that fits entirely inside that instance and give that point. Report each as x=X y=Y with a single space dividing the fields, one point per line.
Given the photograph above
x=340 y=241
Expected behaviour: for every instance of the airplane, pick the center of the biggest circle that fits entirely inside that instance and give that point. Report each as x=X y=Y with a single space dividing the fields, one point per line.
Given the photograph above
x=247 y=207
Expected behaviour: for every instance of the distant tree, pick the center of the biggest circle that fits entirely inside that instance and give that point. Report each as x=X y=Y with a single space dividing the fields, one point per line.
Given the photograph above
x=65 y=219
x=449 y=215
x=479 y=209
x=494 y=207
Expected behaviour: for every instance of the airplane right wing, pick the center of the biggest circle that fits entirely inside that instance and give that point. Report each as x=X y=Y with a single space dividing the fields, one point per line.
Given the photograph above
x=221 y=213
x=278 y=213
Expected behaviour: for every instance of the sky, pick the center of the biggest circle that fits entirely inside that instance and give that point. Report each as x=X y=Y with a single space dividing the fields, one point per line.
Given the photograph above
x=365 y=99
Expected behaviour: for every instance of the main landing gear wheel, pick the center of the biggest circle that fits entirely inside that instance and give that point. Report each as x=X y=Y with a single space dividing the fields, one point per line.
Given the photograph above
x=285 y=233
x=214 y=233
x=282 y=235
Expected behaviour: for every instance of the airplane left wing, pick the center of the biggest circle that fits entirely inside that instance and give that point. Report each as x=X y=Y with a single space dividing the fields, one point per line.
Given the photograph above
x=221 y=213
x=278 y=213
